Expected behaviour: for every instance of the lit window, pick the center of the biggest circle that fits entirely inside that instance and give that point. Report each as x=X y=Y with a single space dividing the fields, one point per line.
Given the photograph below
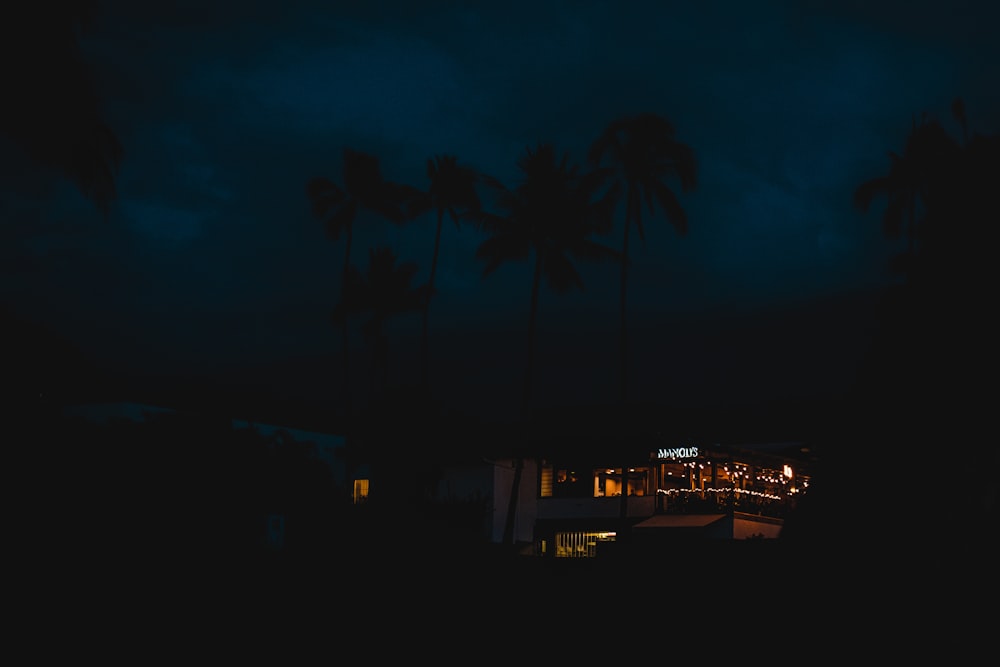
x=608 y=482
x=545 y=484
x=360 y=491
x=580 y=544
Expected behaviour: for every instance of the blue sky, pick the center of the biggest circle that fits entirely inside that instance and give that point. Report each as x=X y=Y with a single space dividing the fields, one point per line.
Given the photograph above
x=211 y=260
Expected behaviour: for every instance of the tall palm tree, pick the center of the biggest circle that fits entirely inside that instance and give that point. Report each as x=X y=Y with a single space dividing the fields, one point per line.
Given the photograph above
x=937 y=329
x=551 y=214
x=385 y=290
x=452 y=190
x=338 y=208
x=646 y=155
x=51 y=111
x=644 y=151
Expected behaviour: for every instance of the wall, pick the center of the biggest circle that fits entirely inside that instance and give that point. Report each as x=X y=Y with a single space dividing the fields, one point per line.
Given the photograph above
x=583 y=508
x=746 y=526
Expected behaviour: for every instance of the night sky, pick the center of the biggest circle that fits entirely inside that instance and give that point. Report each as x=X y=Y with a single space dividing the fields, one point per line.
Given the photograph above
x=209 y=267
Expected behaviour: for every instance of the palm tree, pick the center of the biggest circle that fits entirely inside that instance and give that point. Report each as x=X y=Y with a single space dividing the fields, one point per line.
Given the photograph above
x=901 y=187
x=452 y=190
x=51 y=111
x=645 y=153
x=921 y=180
x=385 y=290
x=551 y=214
x=937 y=327
x=643 y=150
x=338 y=208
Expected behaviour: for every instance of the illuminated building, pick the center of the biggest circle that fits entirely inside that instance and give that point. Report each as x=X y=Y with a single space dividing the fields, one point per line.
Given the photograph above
x=678 y=493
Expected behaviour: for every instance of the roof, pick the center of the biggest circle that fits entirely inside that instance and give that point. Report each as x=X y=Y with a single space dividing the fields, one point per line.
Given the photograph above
x=679 y=521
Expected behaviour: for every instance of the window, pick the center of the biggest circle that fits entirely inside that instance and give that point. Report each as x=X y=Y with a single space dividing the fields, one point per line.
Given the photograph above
x=675 y=476
x=565 y=482
x=580 y=544
x=608 y=482
x=360 y=491
x=545 y=483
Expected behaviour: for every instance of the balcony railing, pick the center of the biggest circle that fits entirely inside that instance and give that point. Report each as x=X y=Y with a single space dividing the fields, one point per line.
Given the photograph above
x=726 y=500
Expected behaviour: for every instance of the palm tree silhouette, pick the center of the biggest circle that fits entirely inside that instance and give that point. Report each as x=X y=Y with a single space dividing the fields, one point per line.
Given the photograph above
x=936 y=329
x=338 y=208
x=551 y=213
x=382 y=292
x=643 y=150
x=917 y=186
x=51 y=111
x=452 y=190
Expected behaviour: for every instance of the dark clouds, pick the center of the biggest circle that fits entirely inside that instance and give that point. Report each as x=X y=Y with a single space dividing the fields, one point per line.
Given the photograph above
x=226 y=109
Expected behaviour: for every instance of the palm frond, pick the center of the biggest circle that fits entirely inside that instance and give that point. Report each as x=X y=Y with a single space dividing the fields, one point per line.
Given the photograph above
x=605 y=207
x=675 y=213
x=865 y=193
x=340 y=219
x=418 y=205
x=502 y=248
x=324 y=195
x=592 y=251
x=486 y=221
x=453 y=186
x=633 y=215
x=560 y=274
x=608 y=143
x=684 y=164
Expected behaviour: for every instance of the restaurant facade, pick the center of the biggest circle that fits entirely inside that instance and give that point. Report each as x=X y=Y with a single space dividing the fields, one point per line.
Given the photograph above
x=677 y=492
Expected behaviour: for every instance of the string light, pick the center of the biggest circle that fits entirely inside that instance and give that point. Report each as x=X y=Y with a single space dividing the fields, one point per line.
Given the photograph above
x=760 y=494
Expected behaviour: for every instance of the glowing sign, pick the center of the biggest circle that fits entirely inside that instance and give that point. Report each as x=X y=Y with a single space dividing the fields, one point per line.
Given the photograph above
x=788 y=471
x=677 y=453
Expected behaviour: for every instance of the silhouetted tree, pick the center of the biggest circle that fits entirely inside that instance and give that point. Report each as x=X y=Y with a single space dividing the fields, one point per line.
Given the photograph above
x=364 y=189
x=922 y=388
x=452 y=190
x=551 y=214
x=385 y=290
x=917 y=179
x=51 y=112
x=647 y=156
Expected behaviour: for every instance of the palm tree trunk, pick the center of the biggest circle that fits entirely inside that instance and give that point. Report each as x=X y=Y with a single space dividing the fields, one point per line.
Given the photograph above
x=911 y=236
x=346 y=333
x=633 y=210
x=623 y=334
x=508 y=530
x=349 y=435
x=424 y=352
x=536 y=282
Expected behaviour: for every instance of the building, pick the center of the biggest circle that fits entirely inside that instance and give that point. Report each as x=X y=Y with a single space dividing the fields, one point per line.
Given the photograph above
x=574 y=497
x=575 y=503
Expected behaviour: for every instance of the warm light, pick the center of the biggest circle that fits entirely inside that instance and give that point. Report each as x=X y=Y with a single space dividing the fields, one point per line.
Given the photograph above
x=769 y=496
x=788 y=471
x=360 y=490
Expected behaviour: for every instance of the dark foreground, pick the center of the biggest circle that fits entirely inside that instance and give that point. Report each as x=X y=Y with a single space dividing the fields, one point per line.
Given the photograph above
x=487 y=604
